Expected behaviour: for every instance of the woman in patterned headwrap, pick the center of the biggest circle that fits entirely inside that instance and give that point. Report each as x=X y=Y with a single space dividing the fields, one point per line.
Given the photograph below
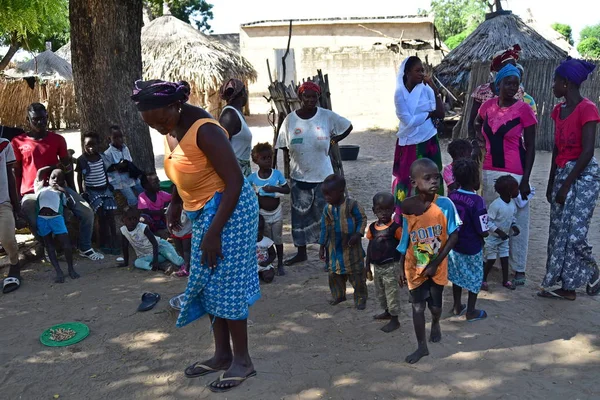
x=307 y=134
x=573 y=186
x=232 y=119
x=224 y=212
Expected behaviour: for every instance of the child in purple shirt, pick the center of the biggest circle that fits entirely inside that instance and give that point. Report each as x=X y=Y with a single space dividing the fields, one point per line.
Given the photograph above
x=465 y=261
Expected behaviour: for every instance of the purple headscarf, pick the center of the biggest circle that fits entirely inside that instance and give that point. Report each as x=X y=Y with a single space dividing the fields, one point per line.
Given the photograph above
x=576 y=71
x=150 y=95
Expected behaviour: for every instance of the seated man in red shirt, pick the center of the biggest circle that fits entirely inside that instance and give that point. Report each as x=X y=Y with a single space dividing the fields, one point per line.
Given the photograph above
x=40 y=148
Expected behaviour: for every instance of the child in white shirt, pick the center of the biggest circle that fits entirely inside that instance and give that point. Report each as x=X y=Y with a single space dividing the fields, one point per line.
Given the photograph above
x=51 y=198
x=501 y=221
x=150 y=250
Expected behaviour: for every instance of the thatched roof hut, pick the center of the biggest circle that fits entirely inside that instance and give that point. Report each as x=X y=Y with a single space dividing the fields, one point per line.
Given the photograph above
x=499 y=31
x=173 y=50
x=47 y=78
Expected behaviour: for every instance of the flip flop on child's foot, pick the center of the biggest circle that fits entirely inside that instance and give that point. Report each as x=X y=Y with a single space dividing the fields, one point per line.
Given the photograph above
x=509 y=285
x=463 y=310
x=480 y=314
x=230 y=382
x=485 y=287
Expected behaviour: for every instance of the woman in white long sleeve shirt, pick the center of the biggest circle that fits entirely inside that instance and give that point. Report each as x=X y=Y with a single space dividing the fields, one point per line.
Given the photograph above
x=417 y=101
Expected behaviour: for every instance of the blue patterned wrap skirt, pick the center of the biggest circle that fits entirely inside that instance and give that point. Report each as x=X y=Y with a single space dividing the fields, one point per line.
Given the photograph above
x=228 y=290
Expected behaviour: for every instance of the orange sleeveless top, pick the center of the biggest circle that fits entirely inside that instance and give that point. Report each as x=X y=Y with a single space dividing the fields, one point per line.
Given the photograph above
x=190 y=170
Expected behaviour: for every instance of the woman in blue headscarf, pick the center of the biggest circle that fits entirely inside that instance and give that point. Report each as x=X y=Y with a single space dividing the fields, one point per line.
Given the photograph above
x=573 y=186
x=500 y=124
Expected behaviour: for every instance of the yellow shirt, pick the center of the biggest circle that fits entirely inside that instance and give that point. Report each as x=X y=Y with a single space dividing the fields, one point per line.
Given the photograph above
x=190 y=170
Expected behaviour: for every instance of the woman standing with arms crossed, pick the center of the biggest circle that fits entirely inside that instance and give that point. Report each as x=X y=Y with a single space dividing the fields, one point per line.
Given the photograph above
x=573 y=186
x=417 y=101
x=307 y=134
x=210 y=187
x=501 y=123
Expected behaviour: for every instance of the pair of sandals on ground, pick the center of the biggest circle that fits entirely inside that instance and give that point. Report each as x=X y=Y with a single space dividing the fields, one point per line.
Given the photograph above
x=222 y=383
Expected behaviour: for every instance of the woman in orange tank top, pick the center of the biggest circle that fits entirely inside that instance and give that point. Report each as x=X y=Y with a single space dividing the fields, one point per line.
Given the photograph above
x=210 y=188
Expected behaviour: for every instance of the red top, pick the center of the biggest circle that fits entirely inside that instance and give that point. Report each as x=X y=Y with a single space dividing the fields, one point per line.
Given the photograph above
x=36 y=154
x=567 y=135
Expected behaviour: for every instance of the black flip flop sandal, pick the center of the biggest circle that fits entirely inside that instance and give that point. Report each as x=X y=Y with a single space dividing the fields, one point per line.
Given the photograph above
x=593 y=288
x=205 y=370
x=240 y=379
x=149 y=300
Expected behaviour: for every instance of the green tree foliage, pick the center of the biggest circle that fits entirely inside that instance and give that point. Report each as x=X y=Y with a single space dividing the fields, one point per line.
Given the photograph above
x=589 y=48
x=30 y=23
x=453 y=41
x=453 y=17
x=196 y=12
x=592 y=31
x=565 y=31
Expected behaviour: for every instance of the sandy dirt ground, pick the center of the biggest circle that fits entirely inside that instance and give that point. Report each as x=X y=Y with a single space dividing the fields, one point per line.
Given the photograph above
x=303 y=348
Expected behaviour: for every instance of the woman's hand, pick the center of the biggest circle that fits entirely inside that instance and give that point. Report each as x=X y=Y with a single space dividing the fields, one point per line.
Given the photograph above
x=353 y=240
x=174 y=217
x=525 y=189
x=561 y=196
x=211 y=249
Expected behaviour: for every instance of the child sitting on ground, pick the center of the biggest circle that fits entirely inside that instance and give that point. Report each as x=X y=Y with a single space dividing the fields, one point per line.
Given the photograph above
x=501 y=221
x=429 y=231
x=457 y=149
x=152 y=203
x=121 y=166
x=150 y=250
x=343 y=224
x=384 y=237
x=182 y=239
x=265 y=254
x=51 y=198
x=465 y=262
x=270 y=185
x=93 y=185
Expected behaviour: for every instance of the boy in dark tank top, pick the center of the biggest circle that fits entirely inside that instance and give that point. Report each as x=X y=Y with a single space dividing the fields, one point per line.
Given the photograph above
x=384 y=237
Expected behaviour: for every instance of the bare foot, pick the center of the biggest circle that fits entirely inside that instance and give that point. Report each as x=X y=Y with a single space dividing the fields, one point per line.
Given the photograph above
x=436 y=333
x=280 y=270
x=60 y=278
x=296 y=259
x=383 y=316
x=391 y=326
x=337 y=301
x=73 y=274
x=361 y=306
x=417 y=355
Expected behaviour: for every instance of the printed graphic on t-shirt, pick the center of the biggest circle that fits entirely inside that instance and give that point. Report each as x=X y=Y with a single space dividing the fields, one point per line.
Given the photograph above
x=426 y=244
x=483 y=221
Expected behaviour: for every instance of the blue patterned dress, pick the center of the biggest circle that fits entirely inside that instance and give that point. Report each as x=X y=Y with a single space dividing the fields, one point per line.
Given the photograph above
x=229 y=289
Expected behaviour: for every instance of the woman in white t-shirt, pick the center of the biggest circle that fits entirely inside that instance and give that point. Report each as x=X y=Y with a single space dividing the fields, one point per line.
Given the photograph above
x=306 y=134
x=232 y=119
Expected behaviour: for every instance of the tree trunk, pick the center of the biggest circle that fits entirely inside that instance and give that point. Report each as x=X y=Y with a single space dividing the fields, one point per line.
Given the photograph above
x=107 y=59
x=12 y=50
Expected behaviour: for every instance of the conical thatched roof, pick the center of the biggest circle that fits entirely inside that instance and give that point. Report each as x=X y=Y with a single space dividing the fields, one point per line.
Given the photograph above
x=496 y=33
x=174 y=50
x=45 y=66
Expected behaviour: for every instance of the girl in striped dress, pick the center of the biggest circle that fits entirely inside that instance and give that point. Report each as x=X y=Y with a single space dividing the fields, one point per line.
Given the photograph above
x=93 y=185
